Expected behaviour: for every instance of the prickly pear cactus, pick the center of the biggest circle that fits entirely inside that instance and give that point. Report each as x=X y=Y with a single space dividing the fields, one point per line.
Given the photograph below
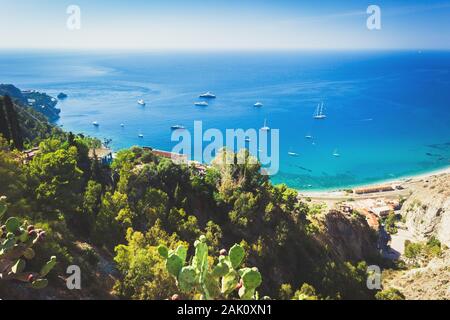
x=223 y=280
x=2 y=206
x=16 y=247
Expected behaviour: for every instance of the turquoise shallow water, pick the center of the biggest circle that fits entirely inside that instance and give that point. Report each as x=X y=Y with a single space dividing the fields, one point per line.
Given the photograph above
x=388 y=112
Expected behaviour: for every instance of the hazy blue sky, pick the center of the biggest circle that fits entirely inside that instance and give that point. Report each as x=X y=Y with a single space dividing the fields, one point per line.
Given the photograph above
x=225 y=24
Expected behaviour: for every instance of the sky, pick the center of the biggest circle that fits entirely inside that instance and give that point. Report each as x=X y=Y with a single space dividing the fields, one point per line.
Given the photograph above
x=225 y=24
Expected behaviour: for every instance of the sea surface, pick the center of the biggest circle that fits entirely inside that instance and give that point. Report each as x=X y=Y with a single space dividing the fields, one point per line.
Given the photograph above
x=388 y=113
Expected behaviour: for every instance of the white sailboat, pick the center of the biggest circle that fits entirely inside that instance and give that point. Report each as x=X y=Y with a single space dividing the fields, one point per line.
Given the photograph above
x=319 y=115
x=265 y=128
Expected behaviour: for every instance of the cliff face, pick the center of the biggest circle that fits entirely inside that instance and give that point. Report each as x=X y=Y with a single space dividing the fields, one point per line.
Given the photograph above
x=349 y=237
x=427 y=210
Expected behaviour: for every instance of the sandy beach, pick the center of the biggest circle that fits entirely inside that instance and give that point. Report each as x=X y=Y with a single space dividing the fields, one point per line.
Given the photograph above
x=406 y=183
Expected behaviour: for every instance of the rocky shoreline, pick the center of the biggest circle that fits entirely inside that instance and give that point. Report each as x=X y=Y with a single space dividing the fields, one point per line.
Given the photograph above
x=39 y=101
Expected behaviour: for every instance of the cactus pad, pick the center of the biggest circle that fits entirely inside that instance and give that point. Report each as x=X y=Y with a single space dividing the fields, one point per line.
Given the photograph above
x=174 y=264
x=236 y=255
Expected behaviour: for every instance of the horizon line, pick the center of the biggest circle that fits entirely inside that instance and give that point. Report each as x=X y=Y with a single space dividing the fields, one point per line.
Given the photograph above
x=206 y=50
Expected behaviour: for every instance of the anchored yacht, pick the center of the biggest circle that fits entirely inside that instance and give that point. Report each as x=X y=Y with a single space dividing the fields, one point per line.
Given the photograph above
x=208 y=95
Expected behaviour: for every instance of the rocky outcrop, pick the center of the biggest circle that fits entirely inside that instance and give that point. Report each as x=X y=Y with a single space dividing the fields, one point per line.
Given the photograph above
x=427 y=211
x=431 y=282
x=349 y=237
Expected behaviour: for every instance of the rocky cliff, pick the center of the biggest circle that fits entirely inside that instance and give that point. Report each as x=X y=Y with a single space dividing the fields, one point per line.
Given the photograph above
x=431 y=282
x=427 y=211
x=349 y=237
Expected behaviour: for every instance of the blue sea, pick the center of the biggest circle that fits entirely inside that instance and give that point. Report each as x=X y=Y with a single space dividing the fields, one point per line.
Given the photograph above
x=388 y=113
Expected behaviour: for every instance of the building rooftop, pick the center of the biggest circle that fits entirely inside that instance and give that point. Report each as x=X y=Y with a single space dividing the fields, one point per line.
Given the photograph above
x=99 y=152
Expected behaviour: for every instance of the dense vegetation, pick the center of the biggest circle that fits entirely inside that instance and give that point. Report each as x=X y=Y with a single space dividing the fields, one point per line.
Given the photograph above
x=23 y=125
x=141 y=202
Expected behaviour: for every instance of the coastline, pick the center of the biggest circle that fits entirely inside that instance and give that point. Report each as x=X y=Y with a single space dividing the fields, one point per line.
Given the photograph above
x=395 y=181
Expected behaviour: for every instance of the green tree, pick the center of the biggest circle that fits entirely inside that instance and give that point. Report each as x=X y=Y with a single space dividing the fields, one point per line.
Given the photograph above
x=143 y=269
x=109 y=226
x=306 y=292
x=91 y=205
x=16 y=132
x=4 y=126
x=56 y=181
x=12 y=178
x=390 y=294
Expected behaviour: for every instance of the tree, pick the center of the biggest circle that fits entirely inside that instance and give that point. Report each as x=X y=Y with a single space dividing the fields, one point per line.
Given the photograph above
x=4 y=126
x=143 y=269
x=56 y=181
x=306 y=292
x=12 y=177
x=16 y=134
x=91 y=205
x=109 y=227
x=390 y=294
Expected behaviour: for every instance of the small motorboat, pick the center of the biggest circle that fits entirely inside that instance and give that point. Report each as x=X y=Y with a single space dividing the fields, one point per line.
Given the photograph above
x=336 y=154
x=201 y=104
